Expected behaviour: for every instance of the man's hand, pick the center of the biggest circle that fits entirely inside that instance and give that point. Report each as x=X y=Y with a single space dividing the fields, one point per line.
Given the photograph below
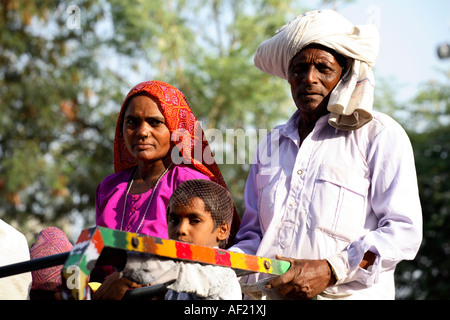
x=114 y=288
x=305 y=279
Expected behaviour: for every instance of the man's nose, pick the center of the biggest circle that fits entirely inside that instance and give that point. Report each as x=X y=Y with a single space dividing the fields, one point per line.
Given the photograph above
x=311 y=75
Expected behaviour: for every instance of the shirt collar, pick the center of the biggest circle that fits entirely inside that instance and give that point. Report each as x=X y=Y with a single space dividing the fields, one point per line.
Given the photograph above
x=290 y=128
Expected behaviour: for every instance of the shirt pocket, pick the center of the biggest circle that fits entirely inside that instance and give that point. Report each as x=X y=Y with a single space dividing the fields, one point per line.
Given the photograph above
x=267 y=181
x=286 y=233
x=339 y=201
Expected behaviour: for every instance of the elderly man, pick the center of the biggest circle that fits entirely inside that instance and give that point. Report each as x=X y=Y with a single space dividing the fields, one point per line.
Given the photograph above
x=339 y=196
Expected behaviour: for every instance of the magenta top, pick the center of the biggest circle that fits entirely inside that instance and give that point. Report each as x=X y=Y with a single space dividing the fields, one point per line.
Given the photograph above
x=110 y=200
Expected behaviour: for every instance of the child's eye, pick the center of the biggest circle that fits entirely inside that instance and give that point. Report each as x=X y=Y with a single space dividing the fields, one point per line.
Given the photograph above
x=174 y=220
x=195 y=221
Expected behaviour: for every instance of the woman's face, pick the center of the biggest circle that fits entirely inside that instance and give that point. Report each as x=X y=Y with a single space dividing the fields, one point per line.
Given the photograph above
x=144 y=130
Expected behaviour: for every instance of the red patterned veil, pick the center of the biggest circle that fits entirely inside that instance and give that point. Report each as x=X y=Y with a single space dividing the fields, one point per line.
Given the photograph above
x=186 y=134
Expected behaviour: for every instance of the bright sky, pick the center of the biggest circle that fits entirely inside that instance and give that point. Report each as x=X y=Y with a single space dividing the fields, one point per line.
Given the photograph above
x=410 y=32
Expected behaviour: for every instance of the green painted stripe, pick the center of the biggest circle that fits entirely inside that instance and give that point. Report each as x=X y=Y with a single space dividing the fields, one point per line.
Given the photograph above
x=115 y=238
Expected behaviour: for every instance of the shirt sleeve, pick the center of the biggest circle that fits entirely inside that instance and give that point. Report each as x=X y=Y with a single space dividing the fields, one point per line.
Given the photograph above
x=394 y=198
x=249 y=235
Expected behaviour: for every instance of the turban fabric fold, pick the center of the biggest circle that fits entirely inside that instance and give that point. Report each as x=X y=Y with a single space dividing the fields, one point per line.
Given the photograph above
x=185 y=130
x=351 y=101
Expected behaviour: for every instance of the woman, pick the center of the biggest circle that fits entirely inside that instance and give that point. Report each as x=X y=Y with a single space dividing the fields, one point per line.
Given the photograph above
x=157 y=137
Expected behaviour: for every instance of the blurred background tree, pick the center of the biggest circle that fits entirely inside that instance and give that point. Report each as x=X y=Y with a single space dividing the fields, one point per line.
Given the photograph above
x=54 y=124
x=428 y=276
x=65 y=68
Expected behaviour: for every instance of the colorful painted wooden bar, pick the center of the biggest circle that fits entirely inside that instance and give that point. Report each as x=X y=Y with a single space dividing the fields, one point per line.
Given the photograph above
x=81 y=262
x=92 y=241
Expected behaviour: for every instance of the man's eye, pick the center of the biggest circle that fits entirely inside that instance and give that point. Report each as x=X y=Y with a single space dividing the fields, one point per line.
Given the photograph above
x=298 y=70
x=324 y=67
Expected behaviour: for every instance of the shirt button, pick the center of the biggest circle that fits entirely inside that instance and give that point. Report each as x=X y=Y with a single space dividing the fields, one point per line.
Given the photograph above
x=292 y=204
x=300 y=172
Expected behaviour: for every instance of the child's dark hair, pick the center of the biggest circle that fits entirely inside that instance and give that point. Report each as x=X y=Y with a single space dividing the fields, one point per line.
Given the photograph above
x=217 y=199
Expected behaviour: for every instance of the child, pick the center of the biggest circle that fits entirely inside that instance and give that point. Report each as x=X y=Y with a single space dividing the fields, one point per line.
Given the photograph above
x=200 y=212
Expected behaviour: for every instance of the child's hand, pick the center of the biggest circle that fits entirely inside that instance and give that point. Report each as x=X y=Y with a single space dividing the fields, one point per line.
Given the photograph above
x=114 y=287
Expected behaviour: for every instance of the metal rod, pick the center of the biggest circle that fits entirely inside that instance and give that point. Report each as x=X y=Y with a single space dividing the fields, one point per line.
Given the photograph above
x=145 y=292
x=34 y=264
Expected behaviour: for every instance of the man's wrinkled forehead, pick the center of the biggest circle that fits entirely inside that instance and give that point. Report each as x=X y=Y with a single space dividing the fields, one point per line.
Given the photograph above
x=339 y=58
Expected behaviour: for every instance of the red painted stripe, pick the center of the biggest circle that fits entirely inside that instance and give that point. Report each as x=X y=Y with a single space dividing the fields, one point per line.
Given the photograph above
x=84 y=236
x=183 y=250
x=223 y=258
x=97 y=240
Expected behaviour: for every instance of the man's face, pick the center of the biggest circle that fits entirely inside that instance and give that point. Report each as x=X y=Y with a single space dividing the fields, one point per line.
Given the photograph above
x=313 y=74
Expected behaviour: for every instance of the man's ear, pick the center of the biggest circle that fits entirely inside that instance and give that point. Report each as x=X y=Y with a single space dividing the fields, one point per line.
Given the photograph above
x=224 y=232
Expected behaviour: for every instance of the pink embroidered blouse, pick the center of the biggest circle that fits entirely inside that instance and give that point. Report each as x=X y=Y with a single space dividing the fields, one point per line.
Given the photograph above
x=110 y=201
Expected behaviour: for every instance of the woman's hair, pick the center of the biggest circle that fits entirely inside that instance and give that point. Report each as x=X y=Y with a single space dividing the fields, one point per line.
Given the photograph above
x=217 y=199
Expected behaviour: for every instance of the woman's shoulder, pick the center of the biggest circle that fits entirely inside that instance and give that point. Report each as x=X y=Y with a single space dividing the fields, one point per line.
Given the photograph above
x=183 y=172
x=117 y=178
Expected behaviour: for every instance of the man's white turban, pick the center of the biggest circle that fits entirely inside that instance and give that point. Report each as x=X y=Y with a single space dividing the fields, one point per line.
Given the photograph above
x=351 y=101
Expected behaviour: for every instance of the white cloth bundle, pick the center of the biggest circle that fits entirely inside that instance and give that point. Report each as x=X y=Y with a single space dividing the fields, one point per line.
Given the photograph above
x=208 y=282
x=351 y=101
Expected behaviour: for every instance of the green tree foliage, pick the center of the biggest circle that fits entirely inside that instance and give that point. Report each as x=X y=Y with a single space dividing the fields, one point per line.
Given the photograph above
x=61 y=89
x=65 y=71
x=428 y=276
x=205 y=48
x=54 y=138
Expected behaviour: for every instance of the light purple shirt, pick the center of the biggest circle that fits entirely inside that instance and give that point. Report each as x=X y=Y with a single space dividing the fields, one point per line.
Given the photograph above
x=110 y=200
x=335 y=197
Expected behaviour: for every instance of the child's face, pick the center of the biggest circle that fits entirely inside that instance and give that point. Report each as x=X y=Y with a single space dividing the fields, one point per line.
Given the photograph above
x=193 y=224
